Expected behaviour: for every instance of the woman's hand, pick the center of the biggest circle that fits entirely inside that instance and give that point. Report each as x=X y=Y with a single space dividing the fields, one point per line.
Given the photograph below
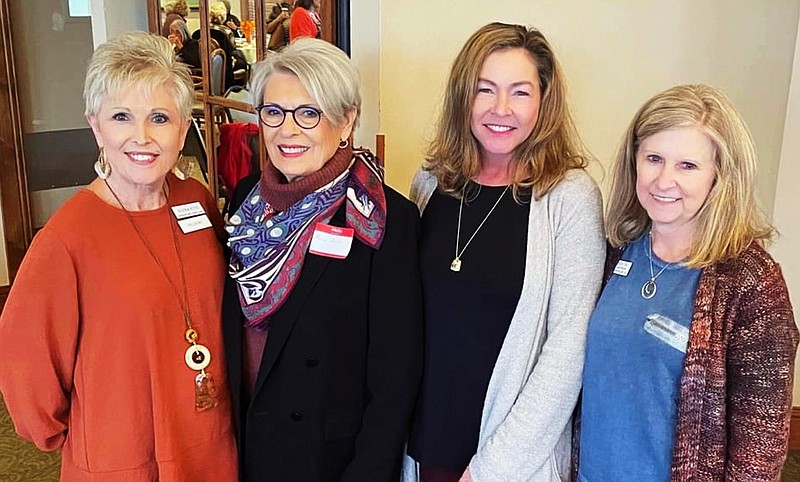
x=466 y=477
x=176 y=40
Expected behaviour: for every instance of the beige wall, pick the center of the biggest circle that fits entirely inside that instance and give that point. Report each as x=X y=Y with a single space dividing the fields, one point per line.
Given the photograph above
x=615 y=55
x=787 y=201
x=366 y=52
x=112 y=17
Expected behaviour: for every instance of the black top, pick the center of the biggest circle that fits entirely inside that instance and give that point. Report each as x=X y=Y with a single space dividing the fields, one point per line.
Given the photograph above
x=189 y=54
x=467 y=314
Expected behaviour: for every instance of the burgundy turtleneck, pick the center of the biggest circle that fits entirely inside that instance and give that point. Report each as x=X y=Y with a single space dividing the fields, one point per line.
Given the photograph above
x=281 y=194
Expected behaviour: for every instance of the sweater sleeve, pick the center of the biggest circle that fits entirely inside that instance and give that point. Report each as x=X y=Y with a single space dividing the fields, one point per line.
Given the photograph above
x=301 y=25
x=38 y=342
x=760 y=369
x=524 y=442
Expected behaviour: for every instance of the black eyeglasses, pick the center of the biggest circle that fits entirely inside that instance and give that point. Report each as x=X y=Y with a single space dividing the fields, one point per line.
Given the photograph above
x=305 y=116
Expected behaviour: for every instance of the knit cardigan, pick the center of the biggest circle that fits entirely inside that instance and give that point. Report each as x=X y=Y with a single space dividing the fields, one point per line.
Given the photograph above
x=735 y=397
x=526 y=420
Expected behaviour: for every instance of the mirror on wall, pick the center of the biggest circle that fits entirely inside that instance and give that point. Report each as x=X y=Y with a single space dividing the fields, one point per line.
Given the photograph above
x=222 y=41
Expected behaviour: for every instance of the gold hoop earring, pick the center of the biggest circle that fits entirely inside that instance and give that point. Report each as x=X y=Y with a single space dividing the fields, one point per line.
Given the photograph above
x=182 y=168
x=343 y=143
x=102 y=168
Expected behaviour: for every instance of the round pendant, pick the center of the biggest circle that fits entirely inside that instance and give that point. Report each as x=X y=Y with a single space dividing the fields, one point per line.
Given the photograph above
x=649 y=289
x=197 y=357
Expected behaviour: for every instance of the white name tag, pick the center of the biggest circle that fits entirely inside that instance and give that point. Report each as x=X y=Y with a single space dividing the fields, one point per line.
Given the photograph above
x=623 y=267
x=183 y=211
x=331 y=241
x=196 y=223
x=669 y=331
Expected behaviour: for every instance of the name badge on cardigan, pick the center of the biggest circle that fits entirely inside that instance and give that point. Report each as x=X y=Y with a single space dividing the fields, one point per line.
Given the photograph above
x=331 y=241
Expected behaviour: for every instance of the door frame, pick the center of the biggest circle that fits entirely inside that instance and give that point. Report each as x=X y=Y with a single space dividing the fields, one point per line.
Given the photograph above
x=13 y=182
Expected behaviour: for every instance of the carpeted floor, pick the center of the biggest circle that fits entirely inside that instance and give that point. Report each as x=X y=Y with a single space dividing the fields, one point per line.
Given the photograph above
x=21 y=462
x=791 y=469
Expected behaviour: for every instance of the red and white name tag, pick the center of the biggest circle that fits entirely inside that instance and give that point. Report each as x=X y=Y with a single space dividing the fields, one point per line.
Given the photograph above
x=331 y=241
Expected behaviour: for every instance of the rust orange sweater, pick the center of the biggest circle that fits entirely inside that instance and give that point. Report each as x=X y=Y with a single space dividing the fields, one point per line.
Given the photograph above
x=92 y=347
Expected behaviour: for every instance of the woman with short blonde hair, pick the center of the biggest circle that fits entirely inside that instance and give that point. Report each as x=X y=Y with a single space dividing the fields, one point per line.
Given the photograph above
x=110 y=339
x=217 y=13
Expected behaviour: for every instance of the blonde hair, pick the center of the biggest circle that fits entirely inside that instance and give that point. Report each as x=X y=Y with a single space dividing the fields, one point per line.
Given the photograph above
x=539 y=162
x=181 y=8
x=326 y=73
x=730 y=219
x=137 y=60
x=217 y=13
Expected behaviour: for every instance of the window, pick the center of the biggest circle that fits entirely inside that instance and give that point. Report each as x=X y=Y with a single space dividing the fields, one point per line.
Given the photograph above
x=79 y=8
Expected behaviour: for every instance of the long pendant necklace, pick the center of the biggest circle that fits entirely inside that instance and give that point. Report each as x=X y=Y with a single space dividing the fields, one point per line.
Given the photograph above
x=456 y=264
x=649 y=287
x=197 y=356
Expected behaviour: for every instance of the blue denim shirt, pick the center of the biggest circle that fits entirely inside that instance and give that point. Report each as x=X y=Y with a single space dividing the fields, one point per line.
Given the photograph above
x=634 y=360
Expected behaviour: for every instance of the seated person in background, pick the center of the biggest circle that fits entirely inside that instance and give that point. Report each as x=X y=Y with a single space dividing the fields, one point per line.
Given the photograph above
x=305 y=21
x=187 y=48
x=231 y=20
x=278 y=26
x=234 y=59
x=175 y=10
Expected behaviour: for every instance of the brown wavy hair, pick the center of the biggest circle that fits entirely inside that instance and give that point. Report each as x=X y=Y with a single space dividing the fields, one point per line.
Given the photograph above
x=730 y=218
x=539 y=162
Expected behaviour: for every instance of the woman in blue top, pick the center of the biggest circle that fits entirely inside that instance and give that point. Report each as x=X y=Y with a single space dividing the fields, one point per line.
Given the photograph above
x=690 y=352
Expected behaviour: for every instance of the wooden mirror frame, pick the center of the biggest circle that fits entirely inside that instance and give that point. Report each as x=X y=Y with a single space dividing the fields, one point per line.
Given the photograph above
x=339 y=24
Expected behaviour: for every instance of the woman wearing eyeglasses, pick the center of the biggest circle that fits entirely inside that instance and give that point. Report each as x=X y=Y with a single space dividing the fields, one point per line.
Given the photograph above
x=321 y=312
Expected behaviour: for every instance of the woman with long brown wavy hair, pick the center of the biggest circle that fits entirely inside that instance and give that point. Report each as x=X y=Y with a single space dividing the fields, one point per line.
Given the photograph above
x=506 y=310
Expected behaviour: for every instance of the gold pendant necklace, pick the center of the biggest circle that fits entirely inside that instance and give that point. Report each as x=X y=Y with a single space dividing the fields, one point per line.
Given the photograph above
x=456 y=264
x=197 y=356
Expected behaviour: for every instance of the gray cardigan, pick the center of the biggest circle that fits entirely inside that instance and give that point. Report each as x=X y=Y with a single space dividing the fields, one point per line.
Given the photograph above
x=526 y=421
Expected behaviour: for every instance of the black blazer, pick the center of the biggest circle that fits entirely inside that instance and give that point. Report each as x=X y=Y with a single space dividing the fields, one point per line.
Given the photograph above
x=341 y=365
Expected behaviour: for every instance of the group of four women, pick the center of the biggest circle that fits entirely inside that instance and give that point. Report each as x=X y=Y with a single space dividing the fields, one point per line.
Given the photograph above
x=113 y=351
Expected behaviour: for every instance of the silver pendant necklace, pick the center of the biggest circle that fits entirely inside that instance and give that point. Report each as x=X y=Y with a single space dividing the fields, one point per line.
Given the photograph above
x=649 y=287
x=456 y=264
